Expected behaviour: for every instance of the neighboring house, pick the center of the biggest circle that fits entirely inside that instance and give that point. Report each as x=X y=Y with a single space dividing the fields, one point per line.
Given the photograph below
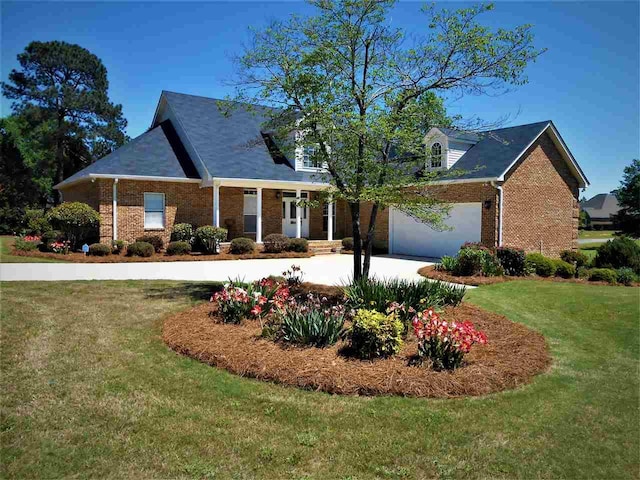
x=515 y=186
x=601 y=209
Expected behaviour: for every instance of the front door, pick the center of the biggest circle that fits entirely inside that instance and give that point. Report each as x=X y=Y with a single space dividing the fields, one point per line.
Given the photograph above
x=289 y=215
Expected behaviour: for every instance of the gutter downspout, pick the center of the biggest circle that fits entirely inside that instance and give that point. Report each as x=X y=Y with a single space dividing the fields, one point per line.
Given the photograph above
x=115 y=209
x=500 y=207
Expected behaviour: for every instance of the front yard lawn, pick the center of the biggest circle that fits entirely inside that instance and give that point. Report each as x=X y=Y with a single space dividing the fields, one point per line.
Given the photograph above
x=596 y=233
x=90 y=389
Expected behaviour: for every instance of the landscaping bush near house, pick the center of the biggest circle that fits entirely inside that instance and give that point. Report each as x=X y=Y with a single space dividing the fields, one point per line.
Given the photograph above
x=540 y=265
x=444 y=343
x=312 y=323
x=583 y=272
x=603 y=275
x=118 y=246
x=242 y=245
x=300 y=245
x=182 y=232
x=178 y=248
x=26 y=244
x=564 y=269
x=374 y=334
x=347 y=243
x=50 y=237
x=626 y=276
x=78 y=221
x=99 y=250
x=155 y=240
x=617 y=253
x=475 y=259
x=575 y=257
x=35 y=221
x=512 y=260
x=447 y=264
x=275 y=243
x=208 y=238
x=140 y=249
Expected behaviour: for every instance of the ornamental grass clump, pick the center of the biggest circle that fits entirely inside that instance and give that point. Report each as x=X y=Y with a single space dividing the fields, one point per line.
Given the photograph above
x=374 y=334
x=313 y=322
x=444 y=343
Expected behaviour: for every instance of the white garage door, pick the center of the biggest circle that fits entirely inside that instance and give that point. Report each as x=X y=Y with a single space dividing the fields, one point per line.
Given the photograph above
x=410 y=237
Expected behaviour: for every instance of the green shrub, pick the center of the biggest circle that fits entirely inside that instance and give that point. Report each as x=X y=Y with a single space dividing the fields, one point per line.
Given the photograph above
x=475 y=259
x=540 y=265
x=603 y=275
x=208 y=238
x=512 y=260
x=140 y=249
x=178 y=248
x=118 y=246
x=583 y=272
x=374 y=334
x=564 y=269
x=35 y=221
x=50 y=237
x=242 y=245
x=300 y=245
x=347 y=243
x=315 y=325
x=275 y=243
x=155 y=240
x=447 y=264
x=99 y=250
x=626 y=276
x=25 y=245
x=182 y=232
x=78 y=221
x=575 y=257
x=617 y=253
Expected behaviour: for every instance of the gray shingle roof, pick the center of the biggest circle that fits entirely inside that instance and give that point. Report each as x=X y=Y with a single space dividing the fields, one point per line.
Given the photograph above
x=602 y=205
x=156 y=153
x=231 y=146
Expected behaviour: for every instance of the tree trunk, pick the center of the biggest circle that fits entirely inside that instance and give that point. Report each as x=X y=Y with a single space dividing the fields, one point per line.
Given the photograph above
x=57 y=195
x=357 y=240
x=368 y=243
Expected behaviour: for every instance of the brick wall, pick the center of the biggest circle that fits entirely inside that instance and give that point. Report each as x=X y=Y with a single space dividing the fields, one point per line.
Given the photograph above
x=344 y=229
x=541 y=202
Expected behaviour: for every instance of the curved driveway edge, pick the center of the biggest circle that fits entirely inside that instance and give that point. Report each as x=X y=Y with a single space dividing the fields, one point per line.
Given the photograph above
x=326 y=269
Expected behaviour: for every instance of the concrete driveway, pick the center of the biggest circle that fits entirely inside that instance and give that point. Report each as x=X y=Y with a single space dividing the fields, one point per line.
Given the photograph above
x=325 y=269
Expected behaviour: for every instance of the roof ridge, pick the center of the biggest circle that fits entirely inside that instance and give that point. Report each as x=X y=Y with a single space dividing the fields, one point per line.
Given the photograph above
x=221 y=99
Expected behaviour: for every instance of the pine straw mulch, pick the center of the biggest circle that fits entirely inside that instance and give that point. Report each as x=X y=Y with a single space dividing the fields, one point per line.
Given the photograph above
x=476 y=280
x=76 y=257
x=513 y=356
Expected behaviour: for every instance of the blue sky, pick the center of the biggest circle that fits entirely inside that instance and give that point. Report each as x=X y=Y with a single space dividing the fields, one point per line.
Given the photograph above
x=587 y=83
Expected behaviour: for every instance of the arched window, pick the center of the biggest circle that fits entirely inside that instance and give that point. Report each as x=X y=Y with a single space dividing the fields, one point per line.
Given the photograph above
x=436 y=155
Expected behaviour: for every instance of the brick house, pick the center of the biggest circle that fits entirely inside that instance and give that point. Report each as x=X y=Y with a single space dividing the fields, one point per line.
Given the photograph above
x=196 y=164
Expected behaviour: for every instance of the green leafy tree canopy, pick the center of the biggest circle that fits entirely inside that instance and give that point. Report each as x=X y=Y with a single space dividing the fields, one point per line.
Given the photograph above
x=628 y=195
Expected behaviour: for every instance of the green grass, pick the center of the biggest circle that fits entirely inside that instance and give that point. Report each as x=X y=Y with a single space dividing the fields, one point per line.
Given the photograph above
x=596 y=233
x=6 y=244
x=90 y=390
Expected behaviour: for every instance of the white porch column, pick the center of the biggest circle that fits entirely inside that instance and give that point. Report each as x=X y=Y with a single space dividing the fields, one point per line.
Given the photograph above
x=330 y=219
x=298 y=214
x=259 y=215
x=114 y=207
x=216 y=205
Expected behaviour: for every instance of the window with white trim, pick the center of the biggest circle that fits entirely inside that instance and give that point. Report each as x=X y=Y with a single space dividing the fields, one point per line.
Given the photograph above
x=308 y=154
x=436 y=155
x=250 y=210
x=153 y=210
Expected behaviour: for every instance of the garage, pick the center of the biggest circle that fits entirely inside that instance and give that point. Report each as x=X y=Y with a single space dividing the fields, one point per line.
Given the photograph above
x=407 y=236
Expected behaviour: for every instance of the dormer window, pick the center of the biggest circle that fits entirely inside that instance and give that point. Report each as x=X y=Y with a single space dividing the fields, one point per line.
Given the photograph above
x=436 y=155
x=308 y=157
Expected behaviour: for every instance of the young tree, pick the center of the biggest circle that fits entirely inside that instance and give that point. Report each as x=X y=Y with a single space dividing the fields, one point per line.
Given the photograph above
x=365 y=93
x=66 y=86
x=628 y=195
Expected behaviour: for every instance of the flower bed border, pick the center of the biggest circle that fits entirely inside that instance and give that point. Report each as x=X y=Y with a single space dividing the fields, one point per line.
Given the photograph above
x=513 y=356
x=477 y=280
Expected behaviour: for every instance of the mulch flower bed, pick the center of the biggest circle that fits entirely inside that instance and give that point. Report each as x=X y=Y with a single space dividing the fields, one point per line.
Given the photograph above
x=156 y=257
x=476 y=280
x=513 y=356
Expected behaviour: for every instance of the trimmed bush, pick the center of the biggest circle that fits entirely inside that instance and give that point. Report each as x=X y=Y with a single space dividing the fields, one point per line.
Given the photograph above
x=617 y=253
x=140 y=249
x=603 y=275
x=347 y=243
x=99 y=250
x=208 y=238
x=626 y=276
x=182 y=232
x=155 y=240
x=35 y=221
x=242 y=245
x=25 y=245
x=275 y=243
x=475 y=260
x=564 y=269
x=118 y=246
x=178 y=248
x=300 y=245
x=575 y=257
x=540 y=265
x=78 y=221
x=511 y=260
x=50 y=237
x=374 y=334
x=583 y=272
